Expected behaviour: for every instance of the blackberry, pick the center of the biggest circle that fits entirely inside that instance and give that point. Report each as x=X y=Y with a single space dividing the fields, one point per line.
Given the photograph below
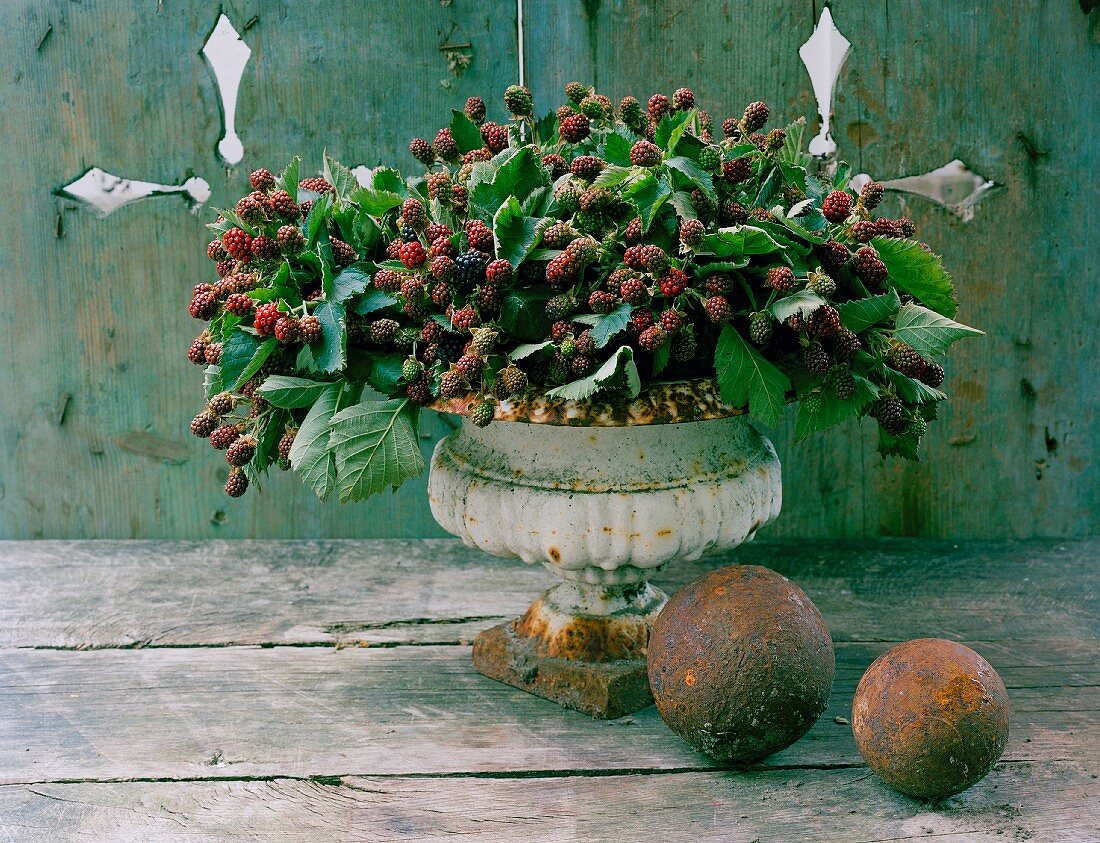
x=517 y=99
x=479 y=236
x=890 y=413
x=413 y=254
x=718 y=310
x=215 y=250
x=242 y=451
x=834 y=255
x=560 y=330
x=824 y=321
x=265 y=248
x=558 y=236
x=815 y=359
x=718 y=284
x=284 y=206
x=584 y=249
x=633 y=257
x=469 y=270
x=387 y=281
x=445 y=145
x=710 y=159
x=411 y=369
x=841 y=382
x=845 y=344
x=871 y=195
x=286 y=329
x=197 y=352
x=585 y=343
x=564 y=111
x=731 y=128
x=560 y=307
x=652 y=338
x=574 y=128
x=863 y=230
x=221 y=404
x=483 y=342
x=683 y=99
x=406 y=338
x=630 y=112
x=601 y=302
x=383 y=331
x=757 y=139
x=305 y=207
x=671 y=320
x=906 y=227
x=224 y=436
x=691 y=233
x=442 y=246
x=932 y=375
x=316 y=185
x=469 y=366
x=291 y=241
x=907 y=360
x=459 y=198
x=393 y=249
x=204 y=305
x=918 y=426
x=452 y=384
x=568 y=347
x=442 y=269
x=673 y=282
x=557 y=165
x=489 y=299
x=568 y=195
x=262 y=179
x=204 y=424
x=592 y=108
x=836 y=206
x=439 y=187
x=658 y=106
x=475 y=109
x=237 y=484
x=562 y=270
x=756 y=115
x=412 y=212
x=575 y=92
x=225 y=267
x=654 y=259
x=266 y=317
x=286 y=443
x=867 y=265
x=495 y=137
x=442 y=293
x=586 y=167
x=731 y=212
x=472 y=157
x=249 y=210
x=213 y=353
x=435 y=231
x=595 y=199
x=645 y=154
x=580 y=366
x=812 y=403
x=512 y=380
x=465 y=319
x=781 y=279
x=760 y=327
x=774 y=140
x=821 y=284
x=684 y=346
x=238 y=243
x=420 y=390
x=640 y=320
x=422 y=151
x=412 y=289
x=482 y=414
x=633 y=290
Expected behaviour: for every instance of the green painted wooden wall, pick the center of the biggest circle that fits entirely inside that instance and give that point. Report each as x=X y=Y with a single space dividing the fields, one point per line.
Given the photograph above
x=95 y=389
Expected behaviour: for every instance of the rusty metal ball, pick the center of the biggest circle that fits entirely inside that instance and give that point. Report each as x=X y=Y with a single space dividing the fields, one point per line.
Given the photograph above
x=740 y=663
x=930 y=717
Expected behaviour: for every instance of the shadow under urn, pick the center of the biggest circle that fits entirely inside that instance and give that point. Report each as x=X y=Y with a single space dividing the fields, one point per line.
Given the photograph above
x=604 y=496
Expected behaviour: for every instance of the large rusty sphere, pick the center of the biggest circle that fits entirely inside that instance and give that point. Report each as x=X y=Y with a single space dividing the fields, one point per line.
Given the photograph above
x=930 y=717
x=741 y=663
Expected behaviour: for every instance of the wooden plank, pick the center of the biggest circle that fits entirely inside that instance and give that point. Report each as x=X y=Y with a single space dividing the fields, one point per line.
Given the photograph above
x=111 y=594
x=1057 y=800
x=180 y=713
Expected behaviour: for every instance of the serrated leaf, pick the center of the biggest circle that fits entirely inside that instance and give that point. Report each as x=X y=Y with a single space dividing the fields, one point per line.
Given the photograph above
x=310 y=455
x=523 y=314
x=270 y=432
x=329 y=354
x=769 y=188
x=927 y=331
x=315 y=222
x=291 y=393
x=288 y=181
x=804 y=302
x=648 y=195
x=660 y=358
x=375 y=203
x=349 y=281
x=242 y=355
x=528 y=349
x=738 y=241
x=671 y=128
x=374 y=300
x=513 y=172
x=792 y=146
x=608 y=325
x=612 y=176
x=619 y=367
x=389 y=180
x=385 y=372
x=913 y=391
x=513 y=232
x=906 y=445
x=834 y=410
x=544 y=254
x=466 y=134
x=616 y=149
x=375 y=446
x=860 y=314
x=340 y=177
x=685 y=208
x=746 y=378
x=546 y=127
x=693 y=173
x=211 y=381
x=919 y=273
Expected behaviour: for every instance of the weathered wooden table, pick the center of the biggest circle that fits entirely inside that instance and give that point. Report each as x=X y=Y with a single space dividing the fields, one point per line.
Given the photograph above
x=301 y=691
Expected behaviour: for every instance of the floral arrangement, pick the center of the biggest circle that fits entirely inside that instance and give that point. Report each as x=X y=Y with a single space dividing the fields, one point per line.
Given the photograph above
x=595 y=250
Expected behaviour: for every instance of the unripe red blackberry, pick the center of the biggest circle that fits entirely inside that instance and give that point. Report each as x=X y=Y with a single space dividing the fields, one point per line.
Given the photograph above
x=557 y=165
x=574 y=128
x=863 y=230
x=634 y=257
x=452 y=384
x=907 y=360
x=575 y=91
x=383 y=331
x=824 y=321
x=633 y=232
x=640 y=320
x=412 y=212
x=645 y=154
x=836 y=206
x=932 y=375
x=691 y=233
x=204 y=305
x=197 y=352
x=867 y=265
x=242 y=451
x=479 y=236
x=393 y=249
x=495 y=137
x=719 y=284
x=584 y=343
x=815 y=359
x=305 y=207
x=653 y=338
x=558 y=235
x=595 y=199
x=845 y=344
x=562 y=270
x=756 y=115
x=215 y=250
x=286 y=329
x=475 y=109
x=443 y=293
x=284 y=206
x=683 y=99
x=422 y=151
x=420 y=390
x=250 y=210
x=387 y=280
x=266 y=317
x=262 y=179
x=718 y=310
x=737 y=170
x=512 y=380
x=225 y=267
x=586 y=167
x=286 y=443
x=213 y=353
x=584 y=249
x=731 y=127
x=224 y=436
x=841 y=381
x=760 y=327
x=412 y=288
x=237 y=484
x=221 y=404
x=291 y=241
x=673 y=282
x=560 y=330
x=265 y=248
x=633 y=290
x=204 y=424
x=833 y=255
x=465 y=319
x=580 y=365
x=316 y=184
x=601 y=302
x=871 y=195
x=413 y=254
x=654 y=259
x=781 y=279
x=442 y=269
x=890 y=413
x=517 y=99
x=442 y=246
x=671 y=320
x=757 y=139
x=470 y=366
x=238 y=243
x=459 y=198
x=906 y=227
x=731 y=212
x=445 y=146
x=498 y=272
x=658 y=106
x=435 y=231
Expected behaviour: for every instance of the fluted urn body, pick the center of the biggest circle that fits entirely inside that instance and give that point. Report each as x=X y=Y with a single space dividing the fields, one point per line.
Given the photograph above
x=603 y=501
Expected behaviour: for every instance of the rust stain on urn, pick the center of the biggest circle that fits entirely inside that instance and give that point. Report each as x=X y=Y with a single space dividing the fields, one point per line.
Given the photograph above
x=554 y=553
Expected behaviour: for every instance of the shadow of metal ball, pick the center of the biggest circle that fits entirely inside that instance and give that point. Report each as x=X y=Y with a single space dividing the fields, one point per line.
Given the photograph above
x=741 y=663
x=930 y=717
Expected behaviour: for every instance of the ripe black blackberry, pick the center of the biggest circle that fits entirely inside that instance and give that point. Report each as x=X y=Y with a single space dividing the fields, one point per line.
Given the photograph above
x=645 y=154
x=291 y=241
x=718 y=310
x=652 y=338
x=266 y=316
x=557 y=165
x=890 y=413
x=815 y=359
x=691 y=233
x=237 y=484
x=781 y=279
x=841 y=382
x=284 y=206
x=932 y=375
x=197 y=352
x=867 y=265
x=658 y=106
x=242 y=451
x=871 y=195
x=495 y=137
x=834 y=255
x=586 y=167
x=469 y=270
x=316 y=184
x=824 y=321
x=836 y=206
x=845 y=344
x=684 y=346
x=221 y=404
x=479 y=236
x=204 y=424
x=574 y=128
x=907 y=360
x=224 y=436
x=517 y=99
x=756 y=115
x=422 y=151
x=513 y=380
x=580 y=365
x=601 y=302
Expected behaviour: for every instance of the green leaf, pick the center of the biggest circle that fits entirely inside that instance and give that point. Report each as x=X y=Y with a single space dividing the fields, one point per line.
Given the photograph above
x=385 y=372
x=466 y=134
x=387 y=179
x=746 y=378
x=315 y=222
x=693 y=173
x=211 y=381
x=290 y=393
x=671 y=128
x=769 y=188
x=685 y=208
x=833 y=410
x=803 y=303
x=912 y=390
x=340 y=177
x=513 y=172
x=242 y=355
x=648 y=195
x=927 y=331
x=288 y=181
x=376 y=447
x=270 y=432
x=792 y=147
x=616 y=149
x=619 y=369
x=606 y=326
x=514 y=233
x=612 y=175
x=860 y=314
x=546 y=127
x=906 y=445
x=329 y=354
x=373 y=301
x=661 y=357
x=738 y=241
x=523 y=314
x=527 y=350
x=375 y=203
x=310 y=455
x=349 y=281
x=919 y=273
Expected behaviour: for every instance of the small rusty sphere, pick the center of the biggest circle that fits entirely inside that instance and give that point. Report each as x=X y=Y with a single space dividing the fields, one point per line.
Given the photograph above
x=930 y=717
x=741 y=663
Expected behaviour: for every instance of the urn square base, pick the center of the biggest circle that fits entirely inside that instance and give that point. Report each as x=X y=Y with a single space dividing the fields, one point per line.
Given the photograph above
x=604 y=690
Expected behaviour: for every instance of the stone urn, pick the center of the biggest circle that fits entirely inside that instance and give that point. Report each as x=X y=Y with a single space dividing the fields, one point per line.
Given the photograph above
x=604 y=496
